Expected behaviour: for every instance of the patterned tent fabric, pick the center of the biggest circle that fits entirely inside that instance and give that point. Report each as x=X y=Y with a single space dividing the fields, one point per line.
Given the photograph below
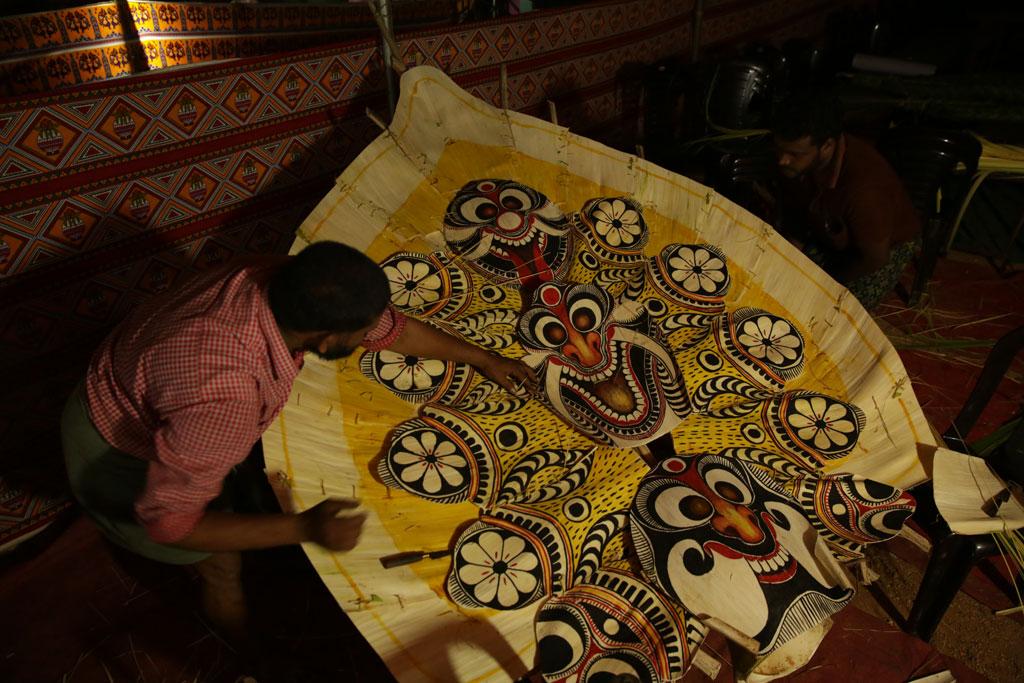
x=25 y=512
x=50 y=50
x=719 y=424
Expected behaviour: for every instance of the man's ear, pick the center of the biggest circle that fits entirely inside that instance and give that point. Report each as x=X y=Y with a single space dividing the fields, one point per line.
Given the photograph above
x=827 y=149
x=321 y=341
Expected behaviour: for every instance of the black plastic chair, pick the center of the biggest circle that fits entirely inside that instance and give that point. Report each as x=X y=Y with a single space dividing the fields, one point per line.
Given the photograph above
x=696 y=114
x=737 y=103
x=739 y=96
x=953 y=556
x=748 y=179
x=936 y=167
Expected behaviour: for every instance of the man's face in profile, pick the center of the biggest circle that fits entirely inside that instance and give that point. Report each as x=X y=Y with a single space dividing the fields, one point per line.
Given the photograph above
x=799 y=157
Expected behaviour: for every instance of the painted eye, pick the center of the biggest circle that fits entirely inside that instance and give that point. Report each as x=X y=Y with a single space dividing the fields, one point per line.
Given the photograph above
x=588 y=260
x=510 y=436
x=871 y=491
x=550 y=331
x=515 y=200
x=729 y=492
x=585 y=314
x=709 y=361
x=615 y=667
x=695 y=507
x=753 y=432
x=728 y=486
x=608 y=625
x=561 y=640
x=576 y=509
x=478 y=209
x=885 y=523
x=492 y=295
x=682 y=507
x=655 y=307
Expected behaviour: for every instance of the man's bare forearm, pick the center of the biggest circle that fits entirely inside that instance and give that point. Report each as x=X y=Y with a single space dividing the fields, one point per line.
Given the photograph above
x=423 y=340
x=227 y=531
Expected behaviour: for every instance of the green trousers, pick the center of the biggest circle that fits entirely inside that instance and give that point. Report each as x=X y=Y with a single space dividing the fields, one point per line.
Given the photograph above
x=106 y=482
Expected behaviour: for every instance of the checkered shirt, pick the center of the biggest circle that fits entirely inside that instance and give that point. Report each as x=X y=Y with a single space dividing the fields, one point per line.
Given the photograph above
x=190 y=380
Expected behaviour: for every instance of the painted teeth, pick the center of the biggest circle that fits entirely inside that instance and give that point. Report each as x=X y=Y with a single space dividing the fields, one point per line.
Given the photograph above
x=590 y=377
x=599 y=406
x=771 y=564
x=519 y=241
x=594 y=377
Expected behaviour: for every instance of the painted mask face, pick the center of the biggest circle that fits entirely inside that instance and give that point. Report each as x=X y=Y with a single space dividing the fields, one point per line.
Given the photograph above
x=853 y=508
x=593 y=634
x=602 y=372
x=509 y=232
x=716 y=538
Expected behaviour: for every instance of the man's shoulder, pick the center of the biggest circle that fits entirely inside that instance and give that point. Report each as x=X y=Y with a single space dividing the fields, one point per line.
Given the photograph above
x=864 y=165
x=223 y=311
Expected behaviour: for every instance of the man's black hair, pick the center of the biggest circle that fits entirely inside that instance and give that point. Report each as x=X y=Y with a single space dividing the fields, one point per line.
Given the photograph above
x=816 y=113
x=328 y=287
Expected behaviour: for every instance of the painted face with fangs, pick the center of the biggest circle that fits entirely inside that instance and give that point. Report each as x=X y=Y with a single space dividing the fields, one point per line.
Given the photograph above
x=603 y=369
x=509 y=232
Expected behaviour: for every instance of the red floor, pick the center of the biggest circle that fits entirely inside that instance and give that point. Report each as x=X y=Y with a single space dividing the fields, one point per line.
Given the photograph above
x=966 y=301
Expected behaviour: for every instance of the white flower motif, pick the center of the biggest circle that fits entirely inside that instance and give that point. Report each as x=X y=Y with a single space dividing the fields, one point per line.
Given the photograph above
x=409 y=372
x=616 y=222
x=771 y=339
x=822 y=422
x=429 y=460
x=498 y=567
x=412 y=283
x=697 y=269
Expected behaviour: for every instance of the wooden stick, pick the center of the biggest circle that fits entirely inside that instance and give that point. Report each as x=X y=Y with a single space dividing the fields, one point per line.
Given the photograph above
x=389 y=37
x=1008 y=611
x=503 y=83
x=376 y=119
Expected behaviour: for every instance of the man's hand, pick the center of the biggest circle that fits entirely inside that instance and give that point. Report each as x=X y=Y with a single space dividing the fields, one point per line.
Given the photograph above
x=322 y=525
x=513 y=375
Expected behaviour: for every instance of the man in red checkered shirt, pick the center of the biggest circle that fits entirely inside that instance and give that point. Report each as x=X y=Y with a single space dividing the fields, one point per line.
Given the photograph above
x=157 y=437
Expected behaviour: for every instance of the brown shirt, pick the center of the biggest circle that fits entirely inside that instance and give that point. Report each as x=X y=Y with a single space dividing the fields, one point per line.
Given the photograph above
x=858 y=200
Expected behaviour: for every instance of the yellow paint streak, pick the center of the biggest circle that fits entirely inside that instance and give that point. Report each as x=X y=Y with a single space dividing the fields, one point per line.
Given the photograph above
x=289 y=470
